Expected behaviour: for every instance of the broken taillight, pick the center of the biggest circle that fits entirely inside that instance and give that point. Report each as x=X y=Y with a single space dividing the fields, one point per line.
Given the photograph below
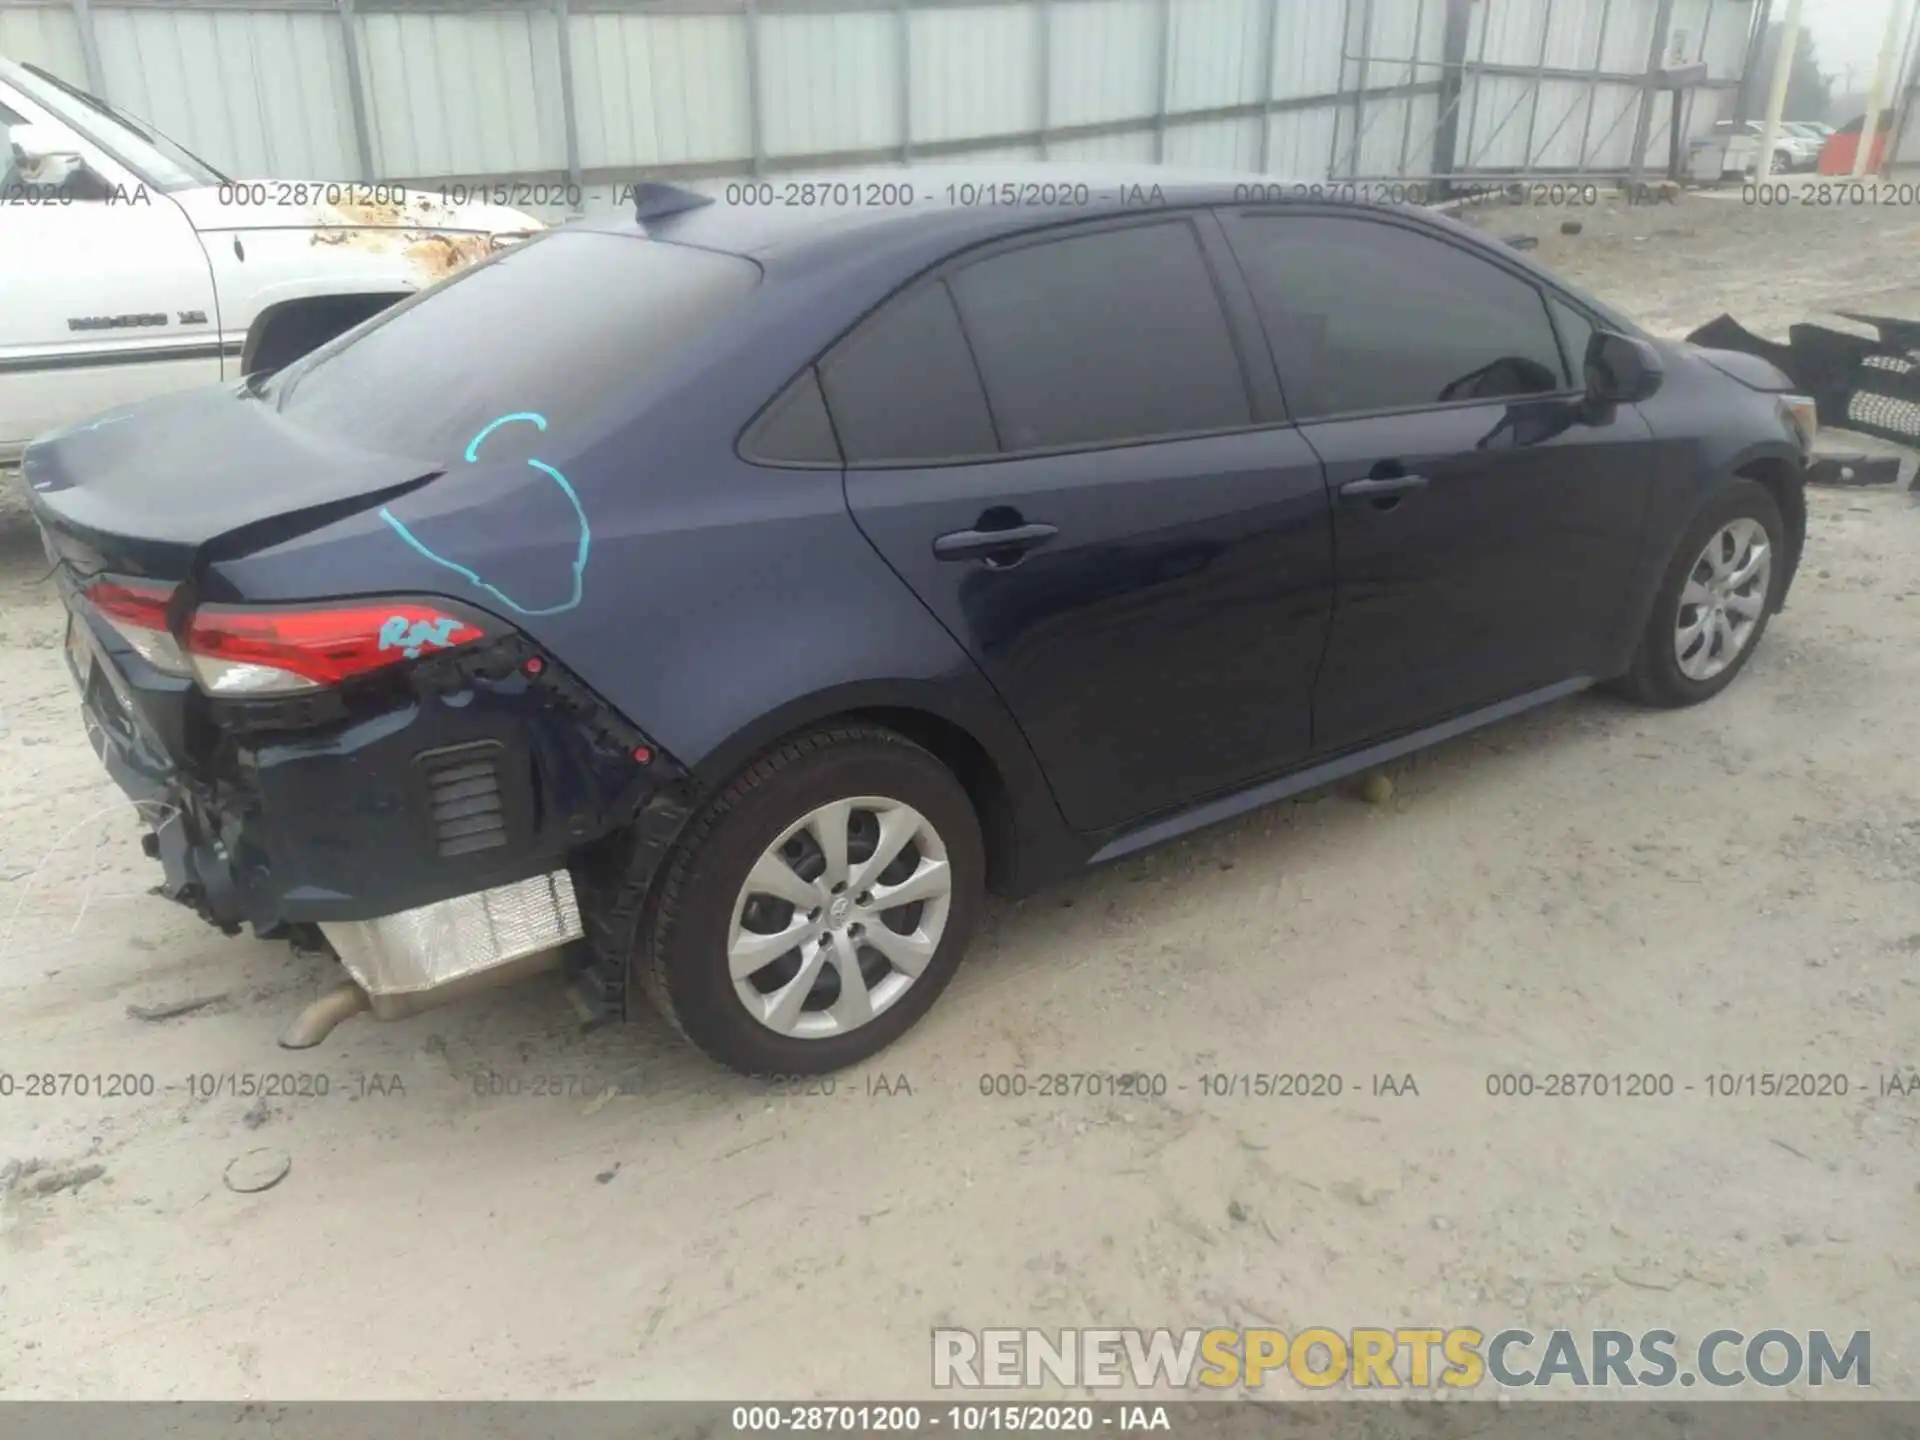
x=259 y=650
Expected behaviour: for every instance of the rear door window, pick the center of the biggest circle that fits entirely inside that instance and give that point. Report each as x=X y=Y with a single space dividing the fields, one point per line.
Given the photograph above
x=561 y=326
x=1103 y=338
x=1366 y=316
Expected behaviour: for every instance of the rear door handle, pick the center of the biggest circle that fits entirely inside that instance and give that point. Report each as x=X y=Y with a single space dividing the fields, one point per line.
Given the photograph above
x=1014 y=542
x=1379 y=487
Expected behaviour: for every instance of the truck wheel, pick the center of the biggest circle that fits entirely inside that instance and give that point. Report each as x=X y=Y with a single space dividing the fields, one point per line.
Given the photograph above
x=817 y=906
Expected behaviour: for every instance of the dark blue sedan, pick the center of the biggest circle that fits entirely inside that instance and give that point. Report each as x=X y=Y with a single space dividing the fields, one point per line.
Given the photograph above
x=720 y=599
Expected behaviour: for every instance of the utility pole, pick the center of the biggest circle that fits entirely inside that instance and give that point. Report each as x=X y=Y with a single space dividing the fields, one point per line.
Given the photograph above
x=1777 y=96
x=1909 y=82
x=1877 y=96
x=1750 y=71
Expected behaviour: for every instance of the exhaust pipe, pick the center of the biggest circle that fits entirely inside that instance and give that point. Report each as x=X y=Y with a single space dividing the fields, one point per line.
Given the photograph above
x=419 y=959
x=317 y=1021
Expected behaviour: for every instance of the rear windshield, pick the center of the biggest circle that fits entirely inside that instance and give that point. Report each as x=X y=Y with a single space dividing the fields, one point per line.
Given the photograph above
x=560 y=326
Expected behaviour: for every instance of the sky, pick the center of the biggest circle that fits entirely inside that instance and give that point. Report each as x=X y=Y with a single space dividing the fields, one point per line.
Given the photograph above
x=1846 y=32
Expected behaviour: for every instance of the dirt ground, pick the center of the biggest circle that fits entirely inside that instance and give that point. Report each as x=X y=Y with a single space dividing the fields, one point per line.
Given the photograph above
x=1591 y=889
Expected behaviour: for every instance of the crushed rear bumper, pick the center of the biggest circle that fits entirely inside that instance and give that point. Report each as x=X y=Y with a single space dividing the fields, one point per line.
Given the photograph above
x=426 y=824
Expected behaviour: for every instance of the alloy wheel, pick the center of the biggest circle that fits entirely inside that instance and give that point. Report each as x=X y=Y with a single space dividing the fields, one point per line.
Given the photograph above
x=1723 y=600
x=839 y=917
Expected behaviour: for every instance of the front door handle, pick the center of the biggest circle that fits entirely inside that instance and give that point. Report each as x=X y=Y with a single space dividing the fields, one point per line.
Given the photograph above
x=996 y=547
x=1381 y=487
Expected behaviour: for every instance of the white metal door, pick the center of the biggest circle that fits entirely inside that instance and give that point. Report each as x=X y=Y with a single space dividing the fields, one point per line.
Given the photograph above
x=108 y=297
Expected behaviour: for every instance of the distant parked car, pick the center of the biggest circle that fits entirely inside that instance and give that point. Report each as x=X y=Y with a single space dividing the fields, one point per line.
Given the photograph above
x=748 y=589
x=1791 y=151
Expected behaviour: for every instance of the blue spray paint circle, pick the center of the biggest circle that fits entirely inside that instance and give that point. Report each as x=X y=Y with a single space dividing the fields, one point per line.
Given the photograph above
x=471 y=577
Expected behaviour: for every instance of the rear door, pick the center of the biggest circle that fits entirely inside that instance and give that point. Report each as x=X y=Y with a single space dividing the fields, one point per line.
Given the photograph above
x=1487 y=522
x=1058 y=443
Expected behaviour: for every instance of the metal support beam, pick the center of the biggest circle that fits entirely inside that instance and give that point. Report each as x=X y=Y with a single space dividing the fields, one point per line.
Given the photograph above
x=1340 y=88
x=1750 y=72
x=1909 y=88
x=1043 y=70
x=1593 y=85
x=1413 y=74
x=1877 y=96
x=1453 y=62
x=903 y=20
x=756 y=137
x=1166 y=83
x=1777 y=89
x=563 y=40
x=90 y=48
x=1650 y=88
x=356 y=90
x=1360 y=86
x=1479 y=76
x=1271 y=51
x=1539 y=84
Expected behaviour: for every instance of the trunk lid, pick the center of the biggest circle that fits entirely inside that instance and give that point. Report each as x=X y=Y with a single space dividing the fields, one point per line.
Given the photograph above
x=143 y=492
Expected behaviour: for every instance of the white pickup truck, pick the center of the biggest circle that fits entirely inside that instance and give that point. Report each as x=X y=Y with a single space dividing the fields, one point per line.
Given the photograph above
x=129 y=267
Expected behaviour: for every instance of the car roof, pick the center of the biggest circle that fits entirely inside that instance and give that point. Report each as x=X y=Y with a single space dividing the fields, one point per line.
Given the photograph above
x=768 y=217
x=879 y=244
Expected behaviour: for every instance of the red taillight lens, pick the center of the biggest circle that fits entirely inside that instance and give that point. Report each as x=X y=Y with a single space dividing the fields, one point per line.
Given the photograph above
x=138 y=612
x=268 y=650
x=257 y=650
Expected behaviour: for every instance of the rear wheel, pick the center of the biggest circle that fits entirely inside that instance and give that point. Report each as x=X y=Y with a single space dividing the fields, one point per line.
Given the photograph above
x=1714 y=602
x=819 y=905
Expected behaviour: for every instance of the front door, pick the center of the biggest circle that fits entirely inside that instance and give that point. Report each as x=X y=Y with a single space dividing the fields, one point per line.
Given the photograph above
x=1487 y=522
x=1057 y=446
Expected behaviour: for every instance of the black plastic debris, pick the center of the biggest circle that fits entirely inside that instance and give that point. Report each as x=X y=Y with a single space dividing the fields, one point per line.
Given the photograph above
x=1854 y=471
x=1523 y=242
x=1871 y=386
x=1902 y=334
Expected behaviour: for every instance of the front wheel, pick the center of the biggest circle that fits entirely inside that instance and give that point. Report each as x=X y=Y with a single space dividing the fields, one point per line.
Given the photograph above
x=818 y=905
x=1714 y=602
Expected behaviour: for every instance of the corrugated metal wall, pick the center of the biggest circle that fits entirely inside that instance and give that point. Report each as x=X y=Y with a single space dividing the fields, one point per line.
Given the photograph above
x=482 y=88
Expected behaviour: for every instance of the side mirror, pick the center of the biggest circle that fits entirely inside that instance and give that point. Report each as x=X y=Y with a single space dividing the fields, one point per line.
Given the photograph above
x=38 y=159
x=1622 y=370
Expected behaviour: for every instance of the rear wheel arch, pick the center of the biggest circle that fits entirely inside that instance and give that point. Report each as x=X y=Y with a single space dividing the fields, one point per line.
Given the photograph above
x=950 y=739
x=806 y=774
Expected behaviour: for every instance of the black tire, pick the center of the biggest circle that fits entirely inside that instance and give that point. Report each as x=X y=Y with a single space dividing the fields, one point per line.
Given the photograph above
x=1655 y=677
x=681 y=960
